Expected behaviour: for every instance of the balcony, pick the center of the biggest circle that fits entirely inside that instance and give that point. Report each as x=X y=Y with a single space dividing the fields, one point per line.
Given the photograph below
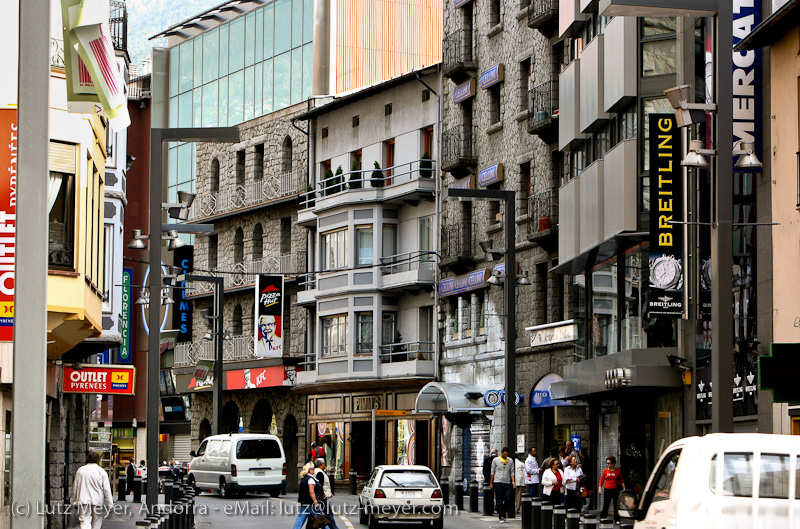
x=458 y=154
x=406 y=183
x=543 y=15
x=57 y=53
x=235 y=349
x=457 y=247
x=252 y=195
x=118 y=25
x=543 y=217
x=408 y=359
x=410 y=269
x=543 y=111
x=458 y=58
x=139 y=88
x=244 y=274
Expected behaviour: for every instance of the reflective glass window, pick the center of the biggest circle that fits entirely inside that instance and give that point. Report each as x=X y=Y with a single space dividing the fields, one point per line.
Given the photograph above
x=283 y=27
x=269 y=26
x=267 y=87
x=174 y=70
x=185 y=110
x=259 y=36
x=257 y=98
x=187 y=58
x=223 y=107
x=223 y=50
x=307 y=70
x=210 y=104
x=235 y=97
x=297 y=23
x=197 y=107
x=249 y=94
x=282 y=80
x=297 y=75
x=236 y=45
x=198 y=63
x=308 y=21
x=250 y=39
x=210 y=56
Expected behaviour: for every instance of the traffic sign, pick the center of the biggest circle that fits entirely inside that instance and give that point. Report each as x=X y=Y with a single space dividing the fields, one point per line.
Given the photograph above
x=390 y=413
x=778 y=372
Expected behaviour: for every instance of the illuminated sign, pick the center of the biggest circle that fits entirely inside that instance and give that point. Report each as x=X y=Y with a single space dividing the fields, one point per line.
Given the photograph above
x=124 y=353
x=491 y=175
x=464 y=91
x=105 y=380
x=465 y=283
x=492 y=76
x=464 y=183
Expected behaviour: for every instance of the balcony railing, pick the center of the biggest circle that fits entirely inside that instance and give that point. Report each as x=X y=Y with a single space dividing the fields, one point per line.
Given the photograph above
x=118 y=24
x=249 y=194
x=456 y=241
x=57 y=53
x=542 y=212
x=542 y=14
x=385 y=178
x=543 y=106
x=457 y=148
x=237 y=348
x=245 y=272
x=406 y=351
x=404 y=262
x=139 y=87
x=457 y=53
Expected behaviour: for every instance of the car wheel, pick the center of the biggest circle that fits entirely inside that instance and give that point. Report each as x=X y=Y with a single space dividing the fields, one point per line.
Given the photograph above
x=223 y=489
x=362 y=514
x=193 y=485
x=438 y=523
x=373 y=522
x=274 y=493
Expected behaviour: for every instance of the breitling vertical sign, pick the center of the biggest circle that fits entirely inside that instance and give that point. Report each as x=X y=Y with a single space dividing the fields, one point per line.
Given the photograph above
x=666 y=208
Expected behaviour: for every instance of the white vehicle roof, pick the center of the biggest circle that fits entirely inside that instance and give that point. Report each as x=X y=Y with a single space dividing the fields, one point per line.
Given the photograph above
x=736 y=442
x=238 y=436
x=403 y=467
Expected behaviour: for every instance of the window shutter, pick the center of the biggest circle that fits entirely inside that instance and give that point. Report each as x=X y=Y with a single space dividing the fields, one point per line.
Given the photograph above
x=62 y=157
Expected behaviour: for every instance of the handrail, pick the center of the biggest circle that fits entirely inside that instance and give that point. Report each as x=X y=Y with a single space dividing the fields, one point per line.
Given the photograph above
x=407 y=351
x=251 y=193
x=404 y=262
x=235 y=349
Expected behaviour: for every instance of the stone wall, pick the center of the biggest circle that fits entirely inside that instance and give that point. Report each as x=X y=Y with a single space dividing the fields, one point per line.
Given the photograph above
x=67 y=448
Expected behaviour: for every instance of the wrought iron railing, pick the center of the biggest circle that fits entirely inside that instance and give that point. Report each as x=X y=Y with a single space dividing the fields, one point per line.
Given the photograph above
x=139 y=87
x=118 y=25
x=540 y=11
x=251 y=193
x=57 y=53
x=542 y=211
x=245 y=272
x=457 y=50
x=542 y=104
x=403 y=262
x=406 y=351
x=237 y=348
x=456 y=241
x=457 y=145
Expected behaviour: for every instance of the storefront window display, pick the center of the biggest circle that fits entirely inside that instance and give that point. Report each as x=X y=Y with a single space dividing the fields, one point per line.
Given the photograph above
x=331 y=436
x=406 y=442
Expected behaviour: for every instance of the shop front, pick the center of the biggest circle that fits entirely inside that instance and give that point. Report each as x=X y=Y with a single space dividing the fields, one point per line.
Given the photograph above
x=559 y=420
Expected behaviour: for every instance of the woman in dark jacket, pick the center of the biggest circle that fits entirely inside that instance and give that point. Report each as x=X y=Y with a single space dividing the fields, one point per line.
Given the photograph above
x=309 y=497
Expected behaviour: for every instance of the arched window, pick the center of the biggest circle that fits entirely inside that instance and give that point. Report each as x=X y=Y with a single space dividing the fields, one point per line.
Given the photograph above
x=286 y=155
x=258 y=242
x=238 y=246
x=236 y=324
x=213 y=177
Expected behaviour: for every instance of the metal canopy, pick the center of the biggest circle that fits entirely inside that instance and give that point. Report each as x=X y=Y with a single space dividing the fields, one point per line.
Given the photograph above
x=451 y=397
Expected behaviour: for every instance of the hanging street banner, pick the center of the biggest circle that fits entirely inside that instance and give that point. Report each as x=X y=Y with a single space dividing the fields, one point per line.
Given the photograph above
x=666 y=207
x=269 y=316
x=182 y=310
x=95 y=83
x=464 y=283
x=124 y=353
x=8 y=220
x=105 y=380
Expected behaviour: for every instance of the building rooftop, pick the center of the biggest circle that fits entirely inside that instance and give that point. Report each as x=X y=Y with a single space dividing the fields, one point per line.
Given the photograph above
x=209 y=19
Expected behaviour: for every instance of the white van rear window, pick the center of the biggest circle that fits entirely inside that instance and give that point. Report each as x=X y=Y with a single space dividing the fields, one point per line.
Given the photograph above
x=258 y=449
x=737 y=475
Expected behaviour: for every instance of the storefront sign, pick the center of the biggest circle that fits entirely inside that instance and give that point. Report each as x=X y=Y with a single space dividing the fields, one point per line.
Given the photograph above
x=552 y=333
x=666 y=207
x=464 y=183
x=464 y=283
x=124 y=352
x=495 y=397
x=203 y=368
x=261 y=377
x=492 y=76
x=464 y=91
x=541 y=397
x=192 y=384
x=570 y=415
x=182 y=316
x=269 y=316
x=8 y=219
x=491 y=175
x=173 y=408
x=747 y=78
x=105 y=380
x=460 y=3
x=390 y=413
x=366 y=403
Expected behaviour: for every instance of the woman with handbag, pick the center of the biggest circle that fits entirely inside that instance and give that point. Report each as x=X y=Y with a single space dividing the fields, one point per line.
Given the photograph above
x=310 y=499
x=552 y=483
x=573 y=476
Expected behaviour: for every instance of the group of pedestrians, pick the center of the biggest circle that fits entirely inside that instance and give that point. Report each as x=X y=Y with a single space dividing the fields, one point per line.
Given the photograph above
x=314 y=494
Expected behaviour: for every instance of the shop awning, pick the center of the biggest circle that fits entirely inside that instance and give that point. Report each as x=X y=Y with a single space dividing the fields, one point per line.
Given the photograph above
x=451 y=397
x=542 y=397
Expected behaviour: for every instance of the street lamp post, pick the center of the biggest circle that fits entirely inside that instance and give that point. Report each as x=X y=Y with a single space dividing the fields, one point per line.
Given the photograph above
x=509 y=295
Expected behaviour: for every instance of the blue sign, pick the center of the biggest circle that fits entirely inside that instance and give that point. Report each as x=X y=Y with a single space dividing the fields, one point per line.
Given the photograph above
x=465 y=283
x=576 y=442
x=541 y=396
x=104 y=357
x=491 y=175
x=464 y=183
x=746 y=78
x=182 y=315
x=495 y=397
x=492 y=76
x=464 y=91
x=459 y=3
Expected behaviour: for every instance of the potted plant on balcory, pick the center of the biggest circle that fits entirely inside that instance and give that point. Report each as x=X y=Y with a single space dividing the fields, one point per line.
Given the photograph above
x=377 y=176
x=338 y=182
x=355 y=175
x=426 y=165
x=328 y=182
x=310 y=196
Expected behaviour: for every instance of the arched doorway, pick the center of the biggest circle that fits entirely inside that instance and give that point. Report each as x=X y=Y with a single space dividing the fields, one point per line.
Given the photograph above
x=230 y=418
x=290 y=447
x=261 y=420
x=205 y=429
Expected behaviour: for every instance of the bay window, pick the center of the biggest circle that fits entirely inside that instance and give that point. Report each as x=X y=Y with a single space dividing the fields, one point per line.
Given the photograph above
x=334 y=249
x=334 y=336
x=364 y=333
x=365 y=245
x=61 y=206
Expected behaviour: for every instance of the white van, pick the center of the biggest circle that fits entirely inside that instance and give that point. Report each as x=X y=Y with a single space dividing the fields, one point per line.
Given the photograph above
x=238 y=463
x=721 y=481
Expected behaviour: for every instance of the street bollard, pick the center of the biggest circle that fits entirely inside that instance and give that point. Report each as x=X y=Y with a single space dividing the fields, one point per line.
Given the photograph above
x=143 y=524
x=547 y=516
x=137 y=489
x=488 y=501
x=122 y=488
x=526 y=510
x=589 y=521
x=473 y=496
x=559 y=517
x=352 y=482
x=512 y=509
x=168 y=486
x=606 y=523
x=573 y=519
x=192 y=504
x=459 y=495
x=536 y=514
x=182 y=513
x=445 y=491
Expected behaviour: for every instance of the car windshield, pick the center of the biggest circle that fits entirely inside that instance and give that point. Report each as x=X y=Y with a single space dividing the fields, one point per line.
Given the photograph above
x=258 y=448
x=407 y=478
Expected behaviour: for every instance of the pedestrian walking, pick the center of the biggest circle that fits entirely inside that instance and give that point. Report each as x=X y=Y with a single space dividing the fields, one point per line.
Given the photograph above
x=569 y=450
x=573 y=475
x=130 y=473
x=321 y=476
x=501 y=481
x=91 y=493
x=552 y=483
x=309 y=496
x=487 y=465
x=311 y=456
x=142 y=470
x=611 y=482
x=532 y=472
x=519 y=478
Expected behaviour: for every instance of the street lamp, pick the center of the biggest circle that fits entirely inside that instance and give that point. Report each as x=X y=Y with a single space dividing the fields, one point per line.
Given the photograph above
x=509 y=293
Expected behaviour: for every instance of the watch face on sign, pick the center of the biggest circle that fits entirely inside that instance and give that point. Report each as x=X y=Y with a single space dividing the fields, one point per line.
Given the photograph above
x=665 y=273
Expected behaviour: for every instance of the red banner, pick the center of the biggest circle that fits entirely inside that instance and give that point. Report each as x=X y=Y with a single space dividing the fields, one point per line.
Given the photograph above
x=261 y=377
x=107 y=380
x=8 y=219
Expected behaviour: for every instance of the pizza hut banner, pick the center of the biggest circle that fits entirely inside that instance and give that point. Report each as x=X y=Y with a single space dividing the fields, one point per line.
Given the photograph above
x=106 y=380
x=269 y=316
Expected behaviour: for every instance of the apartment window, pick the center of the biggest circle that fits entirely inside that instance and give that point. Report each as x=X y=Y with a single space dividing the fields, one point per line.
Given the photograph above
x=479 y=309
x=286 y=155
x=389 y=241
x=387 y=109
x=524 y=83
x=238 y=246
x=356 y=121
x=364 y=333
x=525 y=185
x=427 y=143
x=388 y=149
x=494 y=104
x=213 y=176
x=334 y=336
x=389 y=333
x=541 y=287
x=659 y=46
x=426 y=242
x=236 y=322
x=356 y=176
x=239 y=173
x=494 y=12
x=108 y=266
x=334 y=249
x=286 y=236
x=258 y=242
x=61 y=203
x=258 y=165
x=364 y=245
x=213 y=247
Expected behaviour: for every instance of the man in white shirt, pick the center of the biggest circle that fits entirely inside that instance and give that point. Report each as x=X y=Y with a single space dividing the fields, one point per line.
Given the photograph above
x=91 y=493
x=532 y=472
x=322 y=477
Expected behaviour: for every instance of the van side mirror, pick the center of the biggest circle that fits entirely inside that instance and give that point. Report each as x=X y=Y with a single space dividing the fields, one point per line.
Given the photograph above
x=628 y=503
x=193 y=453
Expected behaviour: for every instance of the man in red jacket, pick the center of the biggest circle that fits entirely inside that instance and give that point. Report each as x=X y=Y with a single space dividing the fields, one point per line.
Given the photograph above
x=611 y=483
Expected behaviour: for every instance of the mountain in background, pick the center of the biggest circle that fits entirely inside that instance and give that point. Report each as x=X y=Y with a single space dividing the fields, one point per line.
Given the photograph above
x=149 y=17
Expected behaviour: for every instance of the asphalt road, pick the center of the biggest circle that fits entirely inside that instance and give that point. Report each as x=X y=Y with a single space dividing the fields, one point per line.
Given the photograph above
x=253 y=511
